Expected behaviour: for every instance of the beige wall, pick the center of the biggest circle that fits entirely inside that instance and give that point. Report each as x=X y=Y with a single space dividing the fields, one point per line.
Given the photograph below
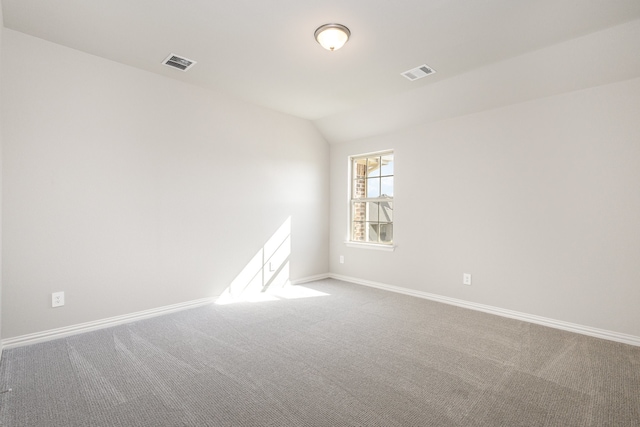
x=539 y=201
x=130 y=191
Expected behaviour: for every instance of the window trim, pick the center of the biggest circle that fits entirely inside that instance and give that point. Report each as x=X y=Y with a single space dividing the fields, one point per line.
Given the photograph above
x=388 y=247
x=358 y=244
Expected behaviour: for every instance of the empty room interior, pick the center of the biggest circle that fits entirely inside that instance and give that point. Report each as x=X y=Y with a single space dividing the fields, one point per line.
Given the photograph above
x=320 y=213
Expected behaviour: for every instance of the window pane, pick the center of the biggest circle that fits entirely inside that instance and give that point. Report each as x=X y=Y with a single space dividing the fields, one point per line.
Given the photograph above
x=387 y=164
x=373 y=187
x=386 y=212
x=373 y=166
x=387 y=186
x=372 y=232
x=386 y=233
x=359 y=189
x=358 y=211
x=372 y=177
x=372 y=211
x=358 y=232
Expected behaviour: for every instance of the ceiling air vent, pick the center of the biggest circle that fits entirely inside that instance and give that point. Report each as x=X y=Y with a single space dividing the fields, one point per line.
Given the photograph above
x=178 y=62
x=418 y=72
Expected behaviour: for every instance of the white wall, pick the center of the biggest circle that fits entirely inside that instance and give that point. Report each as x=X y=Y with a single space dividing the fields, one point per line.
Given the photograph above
x=131 y=191
x=1 y=33
x=540 y=201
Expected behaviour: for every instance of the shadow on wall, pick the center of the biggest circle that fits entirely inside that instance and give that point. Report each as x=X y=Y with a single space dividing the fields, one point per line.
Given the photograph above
x=266 y=276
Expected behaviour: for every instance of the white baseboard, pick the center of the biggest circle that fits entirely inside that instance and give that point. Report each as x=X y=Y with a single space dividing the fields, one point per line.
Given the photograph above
x=132 y=317
x=66 y=331
x=52 y=334
x=558 y=324
x=310 y=279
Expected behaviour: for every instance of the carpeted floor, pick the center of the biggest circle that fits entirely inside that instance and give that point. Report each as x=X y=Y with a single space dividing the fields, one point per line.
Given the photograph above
x=353 y=357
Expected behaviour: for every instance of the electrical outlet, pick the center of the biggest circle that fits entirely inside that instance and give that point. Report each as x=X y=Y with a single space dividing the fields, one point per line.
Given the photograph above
x=466 y=279
x=57 y=299
x=341 y=259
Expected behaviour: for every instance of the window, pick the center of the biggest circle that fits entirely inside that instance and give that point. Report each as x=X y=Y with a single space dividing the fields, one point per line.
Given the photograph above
x=371 y=205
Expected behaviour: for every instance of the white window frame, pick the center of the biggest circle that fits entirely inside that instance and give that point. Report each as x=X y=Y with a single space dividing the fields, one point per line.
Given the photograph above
x=359 y=244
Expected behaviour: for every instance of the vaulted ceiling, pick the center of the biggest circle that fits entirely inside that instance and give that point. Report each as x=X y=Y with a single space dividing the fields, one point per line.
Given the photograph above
x=263 y=51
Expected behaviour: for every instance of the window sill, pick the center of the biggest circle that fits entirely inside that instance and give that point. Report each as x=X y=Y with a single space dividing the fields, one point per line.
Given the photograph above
x=374 y=246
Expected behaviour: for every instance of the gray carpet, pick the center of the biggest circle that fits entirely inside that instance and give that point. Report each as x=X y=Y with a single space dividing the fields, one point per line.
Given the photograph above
x=356 y=357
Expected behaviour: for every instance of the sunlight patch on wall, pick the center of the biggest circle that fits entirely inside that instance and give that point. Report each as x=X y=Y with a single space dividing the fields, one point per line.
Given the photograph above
x=266 y=275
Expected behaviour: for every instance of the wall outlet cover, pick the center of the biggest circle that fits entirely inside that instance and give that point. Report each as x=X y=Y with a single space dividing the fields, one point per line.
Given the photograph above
x=57 y=299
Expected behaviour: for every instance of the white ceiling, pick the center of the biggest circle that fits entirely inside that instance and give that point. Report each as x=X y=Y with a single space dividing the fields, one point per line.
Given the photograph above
x=263 y=50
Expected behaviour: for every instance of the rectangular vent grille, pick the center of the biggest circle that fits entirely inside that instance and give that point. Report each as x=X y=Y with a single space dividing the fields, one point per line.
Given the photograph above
x=418 y=72
x=175 y=61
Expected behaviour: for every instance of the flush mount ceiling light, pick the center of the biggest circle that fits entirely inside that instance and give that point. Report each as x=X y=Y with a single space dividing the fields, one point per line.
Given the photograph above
x=332 y=36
